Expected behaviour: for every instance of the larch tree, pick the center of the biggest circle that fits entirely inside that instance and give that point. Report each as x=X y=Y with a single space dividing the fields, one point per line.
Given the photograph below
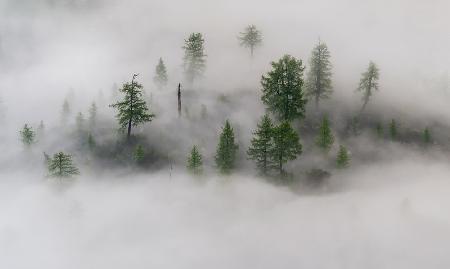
x=343 y=157
x=27 y=135
x=195 y=161
x=160 y=78
x=262 y=144
x=250 y=38
x=132 y=110
x=286 y=146
x=282 y=89
x=194 y=57
x=318 y=82
x=325 y=138
x=368 y=83
x=61 y=166
x=226 y=150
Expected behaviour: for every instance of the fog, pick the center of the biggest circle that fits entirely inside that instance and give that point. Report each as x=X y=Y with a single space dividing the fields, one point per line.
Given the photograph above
x=389 y=209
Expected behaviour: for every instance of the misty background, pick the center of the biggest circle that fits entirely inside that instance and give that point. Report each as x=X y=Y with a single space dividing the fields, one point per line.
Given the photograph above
x=390 y=210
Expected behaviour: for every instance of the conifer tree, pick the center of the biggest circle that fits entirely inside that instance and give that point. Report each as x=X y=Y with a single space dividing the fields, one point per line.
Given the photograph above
x=250 y=38
x=132 y=110
x=325 y=138
x=139 y=154
x=393 y=129
x=262 y=144
x=226 y=150
x=343 y=158
x=426 y=136
x=80 y=121
x=27 y=135
x=61 y=166
x=65 y=113
x=195 y=161
x=318 y=83
x=194 y=57
x=368 y=83
x=283 y=89
x=92 y=115
x=160 y=77
x=286 y=146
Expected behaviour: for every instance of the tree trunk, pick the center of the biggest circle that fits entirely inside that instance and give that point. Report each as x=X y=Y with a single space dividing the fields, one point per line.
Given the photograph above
x=129 y=130
x=179 y=99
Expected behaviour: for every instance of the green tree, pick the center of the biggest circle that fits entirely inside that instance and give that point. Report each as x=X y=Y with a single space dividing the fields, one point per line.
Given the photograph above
x=325 y=138
x=132 y=110
x=286 y=146
x=139 y=154
x=80 y=121
x=250 y=38
x=426 y=136
x=343 y=158
x=27 y=135
x=262 y=144
x=160 y=77
x=368 y=83
x=393 y=129
x=61 y=166
x=194 y=57
x=195 y=161
x=282 y=89
x=92 y=115
x=318 y=83
x=226 y=150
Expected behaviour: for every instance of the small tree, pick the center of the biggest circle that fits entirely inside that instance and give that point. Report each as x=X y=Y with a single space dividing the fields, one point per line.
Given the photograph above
x=194 y=57
x=160 y=77
x=92 y=115
x=318 y=83
x=27 y=135
x=226 y=150
x=195 y=161
x=426 y=136
x=393 y=129
x=61 y=166
x=261 y=144
x=343 y=158
x=283 y=89
x=139 y=154
x=325 y=138
x=368 y=83
x=132 y=110
x=286 y=146
x=250 y=38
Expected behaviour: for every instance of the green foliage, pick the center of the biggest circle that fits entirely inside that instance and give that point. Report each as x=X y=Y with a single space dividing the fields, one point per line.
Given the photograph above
x=426 y=136
x=250 y=38
x=132 y=110
x=286 y=146
x=195 y=162
x=262 y=144
x=343 y=158
x=139 y=154
x=325 y=138
x=318 y=83
x=80 y=121
x=27 y=135
x=226 y=150
x=92 y=115
x=368 y=83
x=194 y=57
x=282 y=89
x=61 y=166
x=160 y=77
x=393 y=129
x=379 y=130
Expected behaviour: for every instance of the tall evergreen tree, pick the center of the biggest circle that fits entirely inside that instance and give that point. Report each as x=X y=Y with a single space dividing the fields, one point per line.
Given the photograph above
x=393 y=129
x=343 y=158
x=250 y=38
x=368 y=83
x=195 y=161
x=61 y=166
x=286 y=146
x=318 y=83
x=283 y=89
x=27 y=135
x=226 y=150
x=160 y=77
x=194 y=57
x=325 y=138
x=132 y=110
x=262 y=144
x=92 y=115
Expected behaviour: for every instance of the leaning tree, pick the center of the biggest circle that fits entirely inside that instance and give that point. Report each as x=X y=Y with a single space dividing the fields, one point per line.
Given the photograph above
x=368 y=83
